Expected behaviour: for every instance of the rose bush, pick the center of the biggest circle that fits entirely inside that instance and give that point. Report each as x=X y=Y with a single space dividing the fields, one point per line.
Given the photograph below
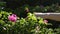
x=12 y=24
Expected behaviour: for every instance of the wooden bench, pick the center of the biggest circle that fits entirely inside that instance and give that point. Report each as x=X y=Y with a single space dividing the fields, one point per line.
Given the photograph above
x=52 y=16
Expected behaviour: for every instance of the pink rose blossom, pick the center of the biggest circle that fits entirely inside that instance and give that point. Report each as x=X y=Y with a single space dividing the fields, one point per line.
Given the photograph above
x=12 y=17
x=45 y=21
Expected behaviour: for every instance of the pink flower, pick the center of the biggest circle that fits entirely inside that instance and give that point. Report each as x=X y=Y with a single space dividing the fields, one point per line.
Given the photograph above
x=45 y=21
x=12 y=17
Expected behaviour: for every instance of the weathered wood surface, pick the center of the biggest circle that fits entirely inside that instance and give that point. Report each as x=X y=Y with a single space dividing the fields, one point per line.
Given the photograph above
x=52 y=16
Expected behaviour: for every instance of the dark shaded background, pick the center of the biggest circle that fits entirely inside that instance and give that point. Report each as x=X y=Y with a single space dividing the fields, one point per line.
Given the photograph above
x=16 y=3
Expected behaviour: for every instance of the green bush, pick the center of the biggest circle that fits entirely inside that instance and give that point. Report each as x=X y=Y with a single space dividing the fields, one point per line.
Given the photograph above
x=28 y=25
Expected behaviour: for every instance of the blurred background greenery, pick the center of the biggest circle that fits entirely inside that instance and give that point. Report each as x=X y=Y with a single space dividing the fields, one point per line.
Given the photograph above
x=19 y=6
x=33 y=5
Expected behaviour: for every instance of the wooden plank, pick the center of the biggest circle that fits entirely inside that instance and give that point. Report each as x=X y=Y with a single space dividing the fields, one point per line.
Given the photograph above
x=52 y=16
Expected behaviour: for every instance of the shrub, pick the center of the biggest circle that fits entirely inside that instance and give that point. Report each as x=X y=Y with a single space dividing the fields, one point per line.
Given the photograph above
x=28 y=25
